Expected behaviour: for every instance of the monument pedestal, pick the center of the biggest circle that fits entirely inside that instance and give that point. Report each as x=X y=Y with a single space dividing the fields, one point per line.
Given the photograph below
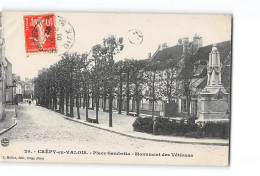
x=214 y=105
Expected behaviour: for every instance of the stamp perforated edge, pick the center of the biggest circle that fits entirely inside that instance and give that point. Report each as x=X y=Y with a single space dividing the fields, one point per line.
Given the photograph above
x=25 y=44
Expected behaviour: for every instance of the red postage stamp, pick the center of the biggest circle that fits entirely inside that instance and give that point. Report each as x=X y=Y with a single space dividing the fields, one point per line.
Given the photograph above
x=39 y=33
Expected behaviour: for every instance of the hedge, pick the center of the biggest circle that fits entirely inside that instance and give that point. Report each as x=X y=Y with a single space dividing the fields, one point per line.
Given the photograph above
x=164 y=126
x=143 y=125
x=217 y=130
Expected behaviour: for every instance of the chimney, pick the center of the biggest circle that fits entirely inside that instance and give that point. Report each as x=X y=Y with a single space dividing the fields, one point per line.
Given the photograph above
x=185 y=41
x=180 y=41
x=197 y=42
x=149 y=55
x=162 y=46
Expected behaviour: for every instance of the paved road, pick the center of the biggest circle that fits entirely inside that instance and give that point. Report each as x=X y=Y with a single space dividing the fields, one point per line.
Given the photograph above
x=37 y=125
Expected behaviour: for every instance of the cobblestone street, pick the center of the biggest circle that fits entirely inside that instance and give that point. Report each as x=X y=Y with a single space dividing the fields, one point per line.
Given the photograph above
x=43 y=127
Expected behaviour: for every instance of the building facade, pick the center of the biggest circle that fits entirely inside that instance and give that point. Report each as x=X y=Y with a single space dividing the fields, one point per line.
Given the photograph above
x=18 y=90
x=28 y=88
x=9 y=83
x=2 y=71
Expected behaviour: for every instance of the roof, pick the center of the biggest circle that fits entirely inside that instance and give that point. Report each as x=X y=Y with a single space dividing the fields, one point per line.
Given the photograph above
x=202 y=83
x=201 y=58
x=174 y=52
x=224 y=48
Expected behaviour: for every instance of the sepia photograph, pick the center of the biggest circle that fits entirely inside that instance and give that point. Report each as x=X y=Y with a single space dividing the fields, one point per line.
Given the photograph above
x=115 y=88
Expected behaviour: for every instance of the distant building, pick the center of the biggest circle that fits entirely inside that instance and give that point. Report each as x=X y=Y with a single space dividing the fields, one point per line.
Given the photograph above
x=18 y=78
x=28 y=88
x=18 y=91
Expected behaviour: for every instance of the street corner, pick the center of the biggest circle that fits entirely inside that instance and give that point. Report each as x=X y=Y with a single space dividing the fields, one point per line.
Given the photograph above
x=7 y=125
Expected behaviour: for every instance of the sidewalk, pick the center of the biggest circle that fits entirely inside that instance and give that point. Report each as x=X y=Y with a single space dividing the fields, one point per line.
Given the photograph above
x=9 y=121
x=122 y=124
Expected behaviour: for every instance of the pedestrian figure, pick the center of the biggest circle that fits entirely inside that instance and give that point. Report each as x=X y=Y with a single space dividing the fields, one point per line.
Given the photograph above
x=29 y=102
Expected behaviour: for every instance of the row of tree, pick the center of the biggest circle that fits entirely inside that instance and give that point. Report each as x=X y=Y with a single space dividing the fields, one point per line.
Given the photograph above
x=96 y=76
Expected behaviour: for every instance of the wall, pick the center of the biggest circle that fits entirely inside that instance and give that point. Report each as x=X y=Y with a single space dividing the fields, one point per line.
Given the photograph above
x=9 y=82
x=2 y=87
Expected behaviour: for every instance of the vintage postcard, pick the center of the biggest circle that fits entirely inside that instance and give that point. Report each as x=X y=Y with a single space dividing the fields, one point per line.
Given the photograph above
x=115 y=88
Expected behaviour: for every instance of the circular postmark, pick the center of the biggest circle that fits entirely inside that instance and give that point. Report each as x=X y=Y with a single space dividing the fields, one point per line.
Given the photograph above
x=43 y=33
x=65 y=35
x=135 y=36
x=5 y=142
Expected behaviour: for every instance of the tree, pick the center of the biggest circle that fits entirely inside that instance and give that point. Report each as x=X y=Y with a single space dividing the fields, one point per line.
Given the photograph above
x=61 y=84
x=104 y=68
x=96 y=54
x=53 y=87
x=40 y=89
x=138 y=80
x=188 y=68
x=169 y=79
x=86 y=80
x=71 y=77
x=70 y=64
x=111 y=46
x=66 y=75
x=78 y=81
x=119 y=66
x=153 y=71
x=127 y=68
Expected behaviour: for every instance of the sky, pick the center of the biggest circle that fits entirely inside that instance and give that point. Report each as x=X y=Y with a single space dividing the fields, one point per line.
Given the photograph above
x=91 y=28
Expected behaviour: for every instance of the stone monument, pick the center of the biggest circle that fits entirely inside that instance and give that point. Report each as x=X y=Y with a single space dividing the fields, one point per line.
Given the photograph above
x=213 y=99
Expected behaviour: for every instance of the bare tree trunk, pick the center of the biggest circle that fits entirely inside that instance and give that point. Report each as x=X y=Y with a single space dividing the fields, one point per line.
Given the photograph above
x=153 y=110
x=97 y=107
x=170 y=95
x=120 y=95
x=84 y=100
x=53 y=102
x=50 y=103
x=104 y=102
x=78 y=104
x=56 y=103
x=137 y=108
x=45 y=102
x=153 y=86
x=93 y=99
x=60 y=104
x=61 y=107
x=87 y=102
x=188 y=100
x=87 y=105
x=110 y=108
x=71 y=105
x=67 y=103
x=80 y=97
x=71 y=91
x=127 y=94
x=137 y=100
